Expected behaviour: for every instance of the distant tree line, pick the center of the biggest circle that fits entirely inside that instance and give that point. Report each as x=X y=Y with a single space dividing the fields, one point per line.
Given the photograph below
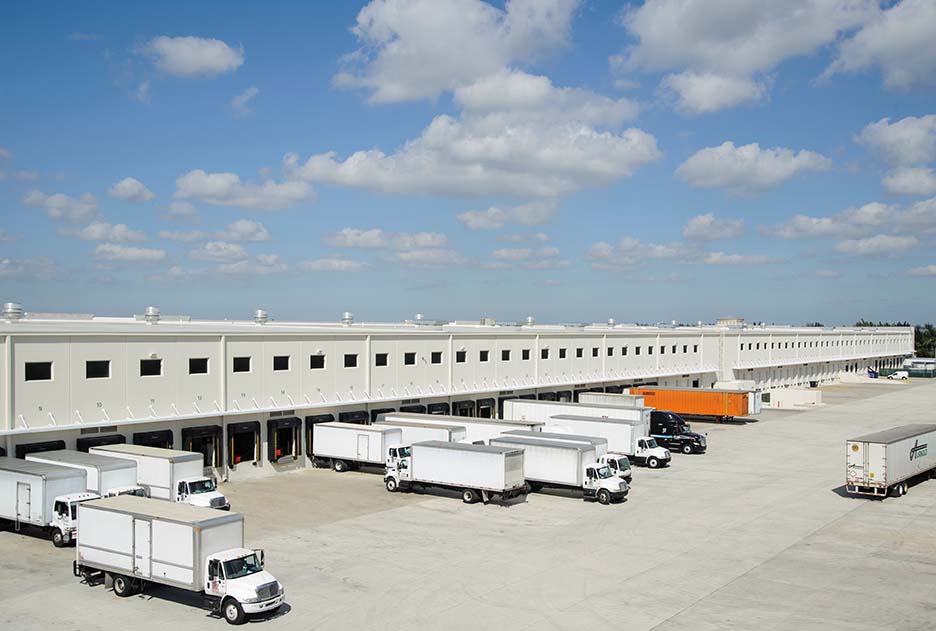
x=924 y=335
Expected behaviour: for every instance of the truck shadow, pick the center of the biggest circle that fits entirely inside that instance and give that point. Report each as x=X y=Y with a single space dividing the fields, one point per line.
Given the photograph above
x=196 y=601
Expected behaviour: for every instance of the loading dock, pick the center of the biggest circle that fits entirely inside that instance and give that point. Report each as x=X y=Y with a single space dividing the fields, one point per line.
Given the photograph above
x=416 y=408
x=547 y=396
x=565 y=396
x=614 y=389
x=357 y=416
x=441 y=409
x=206 y=440
x=500 y=404
x=311 y=421
x=243 y=442
x=463 y=408
x=284 y=438
x=576 y=393
x=84 y=443
x=161 y=438
x=485 y=408
x=376 y=412
x=32 y=448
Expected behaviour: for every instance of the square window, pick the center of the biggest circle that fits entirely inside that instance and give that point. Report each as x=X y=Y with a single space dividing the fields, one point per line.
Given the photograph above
x=624 y=351
x=505 y=355
x=695 y=348
x=241 y=364
x=38 y=371
x=198 y=366
x=544 y=353
x=674 y=349
x=436 y=357
x=350 y=360
x=662 y=350
x=594 y=351
x=316 y=362
x=280 y=363
x=525 y=354
x=610 y=351
x=150 y=367
x=409 y=359
x=580 y=352
x=461 y=357
x=562 y=353
x=97 y=369
x=685 y=349
x=649 y=350
x=636 y=350
x=483 y=356
x=381 y=359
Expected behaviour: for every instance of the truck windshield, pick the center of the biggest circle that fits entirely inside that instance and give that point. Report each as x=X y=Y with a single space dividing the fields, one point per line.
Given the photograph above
x=651 y=443
x=201 y=486
x=404 y=452
x=244 y=566
x=604 y=472
x=623 y=464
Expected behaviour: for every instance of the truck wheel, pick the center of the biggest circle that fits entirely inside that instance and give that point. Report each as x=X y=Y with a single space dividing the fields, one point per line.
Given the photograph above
x=687 y=449
x=469 y=496
x=392 y=485
x=896 y=491
x=123 y=586
x=233 y=612
x=604 y=497
x=340 y=466
x=653 y=463
x=58 y=538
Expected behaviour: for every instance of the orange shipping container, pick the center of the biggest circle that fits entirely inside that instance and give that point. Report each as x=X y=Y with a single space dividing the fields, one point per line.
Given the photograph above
x=722 y=404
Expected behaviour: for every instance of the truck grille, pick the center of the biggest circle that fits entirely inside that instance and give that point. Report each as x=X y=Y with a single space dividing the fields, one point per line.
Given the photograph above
x=268 y=591
x=217 y=502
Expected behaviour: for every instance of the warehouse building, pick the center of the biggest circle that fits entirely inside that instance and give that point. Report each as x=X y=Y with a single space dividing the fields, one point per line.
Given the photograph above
x=247 y=393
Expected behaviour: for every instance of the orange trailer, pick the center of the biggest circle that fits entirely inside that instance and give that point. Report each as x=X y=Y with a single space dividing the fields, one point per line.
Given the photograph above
x=723 y=405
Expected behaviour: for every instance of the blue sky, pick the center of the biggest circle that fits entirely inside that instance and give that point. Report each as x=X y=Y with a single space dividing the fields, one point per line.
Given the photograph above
x=574 y=161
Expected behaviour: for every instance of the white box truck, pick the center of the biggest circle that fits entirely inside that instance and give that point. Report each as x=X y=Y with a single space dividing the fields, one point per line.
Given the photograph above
x=628 y=437
x=618 y=462
x=106 y=476
x=478 y=472
x=168 y=474
x=882 y=463
x=417 y=432
x=343 y=446
x=134 y=541
x=611 y=398
x=45 y=496
x=477 y=430
x=559 y=464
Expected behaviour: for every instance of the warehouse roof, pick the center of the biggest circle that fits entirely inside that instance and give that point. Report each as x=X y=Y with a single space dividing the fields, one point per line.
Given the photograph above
x=894 y=434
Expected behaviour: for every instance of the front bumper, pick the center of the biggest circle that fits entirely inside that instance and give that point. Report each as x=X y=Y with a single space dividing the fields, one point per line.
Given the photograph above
x=266 y=605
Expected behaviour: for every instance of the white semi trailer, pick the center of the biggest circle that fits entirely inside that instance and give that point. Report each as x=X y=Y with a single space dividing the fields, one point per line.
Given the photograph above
x=105 y=475
x=416 y=431
x=168 y=474
x=134 y=541
x=529 y=410
x=477 y=430
x=631 y=438
x=559 y=464
x=619 y=463
x=344 y=446
x=478 y=472
x=611 y=398
x=882 y=463
x=44 y=496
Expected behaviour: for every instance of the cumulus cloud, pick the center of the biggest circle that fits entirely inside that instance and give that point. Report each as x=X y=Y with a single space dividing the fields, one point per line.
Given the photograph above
x=333 y=265
x=417 y=240
x=536 y=237
x=219 y=251
x=61 y=206
x=926 y=270
x=40 y=268
x=143 y=94
x=748 y=168
x=882 y=244
x=907 y=142
x=355 y=238
x=181 y=210
x=190 y=57
x=185 y=236
x=262 y=265
x=417 y=49
x=533 y=213
x=131 y=190
x=721 y=258
x=427 y=258
x=127 y=254
x=101 y=231
x=911 y=181
x=244 y=230
x=860 y=221
x=708 y=227
x=702 y=93
x=239 y=105
x=227 y=189
x=899 y=41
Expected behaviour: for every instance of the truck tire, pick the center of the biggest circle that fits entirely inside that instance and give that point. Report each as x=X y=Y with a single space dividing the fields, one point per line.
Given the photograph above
x=340 y=466
x=604 y=496
x=232 y=611
x=469 y=496
x=58 y=538
x=896 y=490
x=392 y=485
x=653 y=463
x=687 y=449
x=123 y=586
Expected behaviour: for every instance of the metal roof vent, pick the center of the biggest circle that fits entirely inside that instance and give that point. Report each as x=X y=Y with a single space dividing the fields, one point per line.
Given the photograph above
x=611 y=322
x=12 y=311
x=530 y=321
x=347 y=318
x=260 y=316
x=151 y=315
x=419 y=317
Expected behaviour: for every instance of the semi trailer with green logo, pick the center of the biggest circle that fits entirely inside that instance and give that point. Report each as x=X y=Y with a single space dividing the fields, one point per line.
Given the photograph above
x=884 y=463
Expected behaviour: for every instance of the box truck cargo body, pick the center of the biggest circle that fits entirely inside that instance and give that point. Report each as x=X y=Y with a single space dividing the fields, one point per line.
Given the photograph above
x=476 y=471
x=611 y=398
x=417 y=432
x=346 y=445
x=881 y=463
x=618 y=462
x=561 y=464
x=168 y=474
x=629 y=437
x=477 y=430
x=696 y=403
x=104 y=475
x=542 y=411
x=135 y=541
x=42 y=495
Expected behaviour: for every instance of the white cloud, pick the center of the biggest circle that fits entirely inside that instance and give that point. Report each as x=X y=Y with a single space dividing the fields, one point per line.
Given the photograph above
x=176 y=273
x=227 y=189
x=181 y=210
x=131 y=190
x=240 y=104
x=632 y=247
x=911 y=181
x=429 y=258
x=881 y=244
x=61 y=206
x=5 y=154
x=419 y=240
x=333 y=265
x=825 y=273
x=186 y=236
x=376 y=238
x=114 y=252
x=262 y=265
x=417 y=49
x=720 y=258
x=748 y=168
x=860 y=221
x=354 y=238
x=907 y=142
x=101 y=231
x=512 y=254
x=219 y=251
x=899 y=41
x=702 y=93
x=190 y=57
x=536 y=237
x=533 y=213
x=926 y=270
x=26 y=176
x=142 y=93
x=41 y=268
x=244 y=230
x=708 y=227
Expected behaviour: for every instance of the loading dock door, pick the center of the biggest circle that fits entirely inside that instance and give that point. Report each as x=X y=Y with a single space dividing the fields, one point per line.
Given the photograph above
x=243 y=442
x=158 y=438
x=414 y=409
x=206 y=440
x=486 y=408
x=141 y=548
x=283 y=438
x=500 y=404
x=463 y=408
x=615 y=389
x=564 y=396
x=33 y=448
x=310 y=421
x=85 y=443
x=547 y=396
x=438 y=408
x=357 y=416
x=378 y=411
x=576 y=393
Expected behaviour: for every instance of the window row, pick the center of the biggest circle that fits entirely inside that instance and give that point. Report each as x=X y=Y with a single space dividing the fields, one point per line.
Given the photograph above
x=101 y=369
x=813 y=344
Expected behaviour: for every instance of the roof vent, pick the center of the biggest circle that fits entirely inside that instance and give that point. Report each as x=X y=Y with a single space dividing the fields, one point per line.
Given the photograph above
x=611 y=322
x=347 y=318
x=419 y=317
x=260 y=316
x=530 y=321
x=151 y=315
x=12 y=311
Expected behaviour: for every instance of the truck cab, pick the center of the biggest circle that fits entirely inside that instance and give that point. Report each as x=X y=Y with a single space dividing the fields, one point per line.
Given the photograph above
x=619 y=464
x=650 y=454
x=201 y=491
x=398 y=464
x=673 y=432
x=602 y=484
x=237 y=584
x=64 y=525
